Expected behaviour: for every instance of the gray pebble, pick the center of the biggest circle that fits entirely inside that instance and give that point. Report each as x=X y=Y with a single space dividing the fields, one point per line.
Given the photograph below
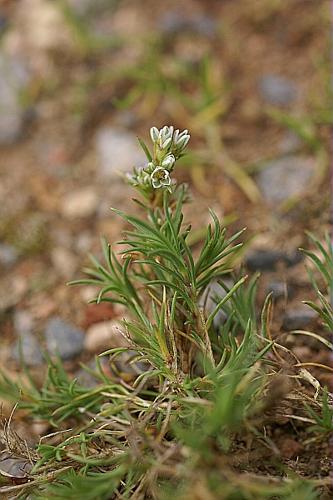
x=27 y=347
x=8 y=255
x=23 y=322
x=118 y=152
x=268 y=259
x=290 y=143
x=63 y=339
x=279 y=289
x=16 y=468
x=293 y=258
x=173 y=22
x=85 y=378
x=277 y=90
x=14 y=77
x=12 y=290
x=299 y=318
x=263 y=260
x=87 y=8
x=285 y=178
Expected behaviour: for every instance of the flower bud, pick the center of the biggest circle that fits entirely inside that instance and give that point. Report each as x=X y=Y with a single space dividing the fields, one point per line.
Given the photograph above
x=154 y=134
x=170 y=132
x=166 y=143
x=175 y=136
x=168 y=162
x=183 y=141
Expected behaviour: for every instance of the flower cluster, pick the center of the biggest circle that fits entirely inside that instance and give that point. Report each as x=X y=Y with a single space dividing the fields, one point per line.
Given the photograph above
x=167 y=138
x=168 y=146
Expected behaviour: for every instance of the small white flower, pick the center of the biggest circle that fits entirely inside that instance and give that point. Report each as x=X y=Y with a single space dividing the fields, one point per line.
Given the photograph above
x=154 y=134
x=168 y=162
x=160 y=177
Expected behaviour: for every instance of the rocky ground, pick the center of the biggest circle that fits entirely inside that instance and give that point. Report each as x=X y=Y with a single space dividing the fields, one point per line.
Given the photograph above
x=81 y=79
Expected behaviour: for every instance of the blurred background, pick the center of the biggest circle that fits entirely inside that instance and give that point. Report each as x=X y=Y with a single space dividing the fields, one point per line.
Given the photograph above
x=81 y=79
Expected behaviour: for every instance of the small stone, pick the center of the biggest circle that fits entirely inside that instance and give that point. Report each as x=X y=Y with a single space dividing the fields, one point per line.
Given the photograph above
x=11 y=291
x=96 y=313
x=291 y=143
x=299 y=318
x=293 y=258
x=204 y=25
x=40 y=427
x=63 y=261
x=42 y=306
x=15 y=468
x=8 y=255
x=23 y=322
x=118 y=152
x=173 y=22
x=278 y=289
x=104 y=335
x=84 y=241
x=39 y=28
x=87 y=379
x=88 y=293
x=85 y=8
x=80 y=203
x=128 y=367
x=3 y=23
x=63 y=339
x=263 y=260
x=62 y=237
x=120 y=310
x=14 y=78
x=28 y=347
x=285 y=178
x=27 y=344
x=277 y=90
x=126 y=119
